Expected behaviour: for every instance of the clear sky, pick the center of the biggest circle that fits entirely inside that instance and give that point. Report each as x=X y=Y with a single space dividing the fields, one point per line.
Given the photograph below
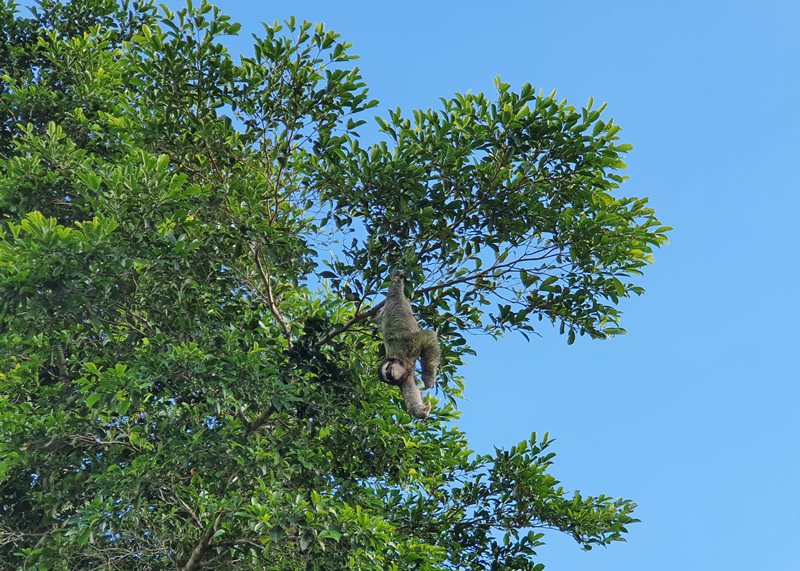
x=693 y=414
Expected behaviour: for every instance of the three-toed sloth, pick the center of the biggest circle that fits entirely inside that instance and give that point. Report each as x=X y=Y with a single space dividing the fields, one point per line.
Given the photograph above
x=405 y=342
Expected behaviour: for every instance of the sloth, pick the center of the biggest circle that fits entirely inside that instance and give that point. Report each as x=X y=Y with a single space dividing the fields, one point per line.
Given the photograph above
x=405 y=342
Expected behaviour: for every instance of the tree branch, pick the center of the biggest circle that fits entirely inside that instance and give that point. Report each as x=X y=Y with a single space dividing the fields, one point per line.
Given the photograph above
x=359 y=317
x=162 y=490
x=251 y=427
x=273 y=306
x=349 y=323
x=199 y=551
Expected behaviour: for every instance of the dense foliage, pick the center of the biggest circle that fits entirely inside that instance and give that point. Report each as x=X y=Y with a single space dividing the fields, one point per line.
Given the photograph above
x=193 y=251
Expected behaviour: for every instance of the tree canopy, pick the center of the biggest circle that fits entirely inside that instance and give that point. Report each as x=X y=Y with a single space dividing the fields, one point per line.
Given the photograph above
x=193 y=251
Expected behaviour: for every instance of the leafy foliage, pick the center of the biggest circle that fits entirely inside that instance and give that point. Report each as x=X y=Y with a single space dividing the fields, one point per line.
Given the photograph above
x=192 y=249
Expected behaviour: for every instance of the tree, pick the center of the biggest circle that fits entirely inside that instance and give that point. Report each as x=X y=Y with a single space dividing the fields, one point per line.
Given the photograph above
x=192 y=253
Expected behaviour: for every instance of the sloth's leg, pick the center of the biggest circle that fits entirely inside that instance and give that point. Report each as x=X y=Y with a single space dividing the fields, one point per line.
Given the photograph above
x=429 y=353
x=413 y=398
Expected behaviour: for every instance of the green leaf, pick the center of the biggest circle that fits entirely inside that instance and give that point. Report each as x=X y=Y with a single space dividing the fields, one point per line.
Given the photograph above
x=330 y=534
x=91 y=400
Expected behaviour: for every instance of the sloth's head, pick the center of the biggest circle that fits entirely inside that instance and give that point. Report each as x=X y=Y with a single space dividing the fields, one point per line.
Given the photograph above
x=394 y=370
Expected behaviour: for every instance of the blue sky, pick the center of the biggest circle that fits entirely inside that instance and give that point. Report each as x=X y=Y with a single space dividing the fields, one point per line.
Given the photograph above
x=693 y=414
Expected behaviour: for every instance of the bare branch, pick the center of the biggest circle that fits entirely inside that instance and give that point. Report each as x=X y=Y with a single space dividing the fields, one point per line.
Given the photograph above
x=273 y=306
x=88 y=439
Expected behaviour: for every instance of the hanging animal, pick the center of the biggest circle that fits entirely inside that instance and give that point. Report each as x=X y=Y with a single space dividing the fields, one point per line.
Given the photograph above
x=405 y=342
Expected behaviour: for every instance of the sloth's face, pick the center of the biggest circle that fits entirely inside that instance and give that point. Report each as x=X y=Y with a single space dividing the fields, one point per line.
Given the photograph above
x=393 y=371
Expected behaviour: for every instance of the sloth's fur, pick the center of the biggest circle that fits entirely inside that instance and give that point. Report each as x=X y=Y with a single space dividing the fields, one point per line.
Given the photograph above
x=405 y=342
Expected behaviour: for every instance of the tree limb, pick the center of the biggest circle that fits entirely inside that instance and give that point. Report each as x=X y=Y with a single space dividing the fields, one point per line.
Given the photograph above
x=273 y=306
x=359 y=317
x=251 y=427
x=199 y=551
x=349 y=323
